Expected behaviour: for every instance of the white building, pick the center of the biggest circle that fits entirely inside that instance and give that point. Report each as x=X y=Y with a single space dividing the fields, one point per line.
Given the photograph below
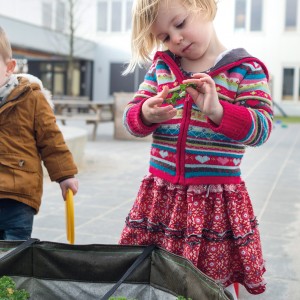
x=268 y=29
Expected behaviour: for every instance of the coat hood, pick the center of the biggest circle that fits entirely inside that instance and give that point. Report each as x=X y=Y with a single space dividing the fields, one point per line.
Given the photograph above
x=35 y=84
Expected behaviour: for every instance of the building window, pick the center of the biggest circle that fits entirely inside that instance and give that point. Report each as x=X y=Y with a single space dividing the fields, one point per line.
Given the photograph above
x=288 y=84
x=128 y=83
x=248 y=15
x=60 y=16
x=54 y=76
x=256 y=15
x=298 y=89
x=102 y=16
x=298 y=85
x=22 y=65
x=240 y=14
x=114 y=15
x=128 y=15
x=291 y=9
x=47 y=14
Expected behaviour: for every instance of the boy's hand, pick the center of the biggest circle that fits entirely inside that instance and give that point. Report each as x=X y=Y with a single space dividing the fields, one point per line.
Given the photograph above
x=70 y=183
x=152 y=112
x=205 y=96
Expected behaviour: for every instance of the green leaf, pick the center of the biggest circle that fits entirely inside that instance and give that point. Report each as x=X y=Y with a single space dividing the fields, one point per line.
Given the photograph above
x=176 y=96
x=183 y=86
x=8 y=290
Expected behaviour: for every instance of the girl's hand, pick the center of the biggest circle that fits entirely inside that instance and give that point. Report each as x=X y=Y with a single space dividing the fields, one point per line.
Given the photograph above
x=206 y=96
x=152 y=112
x=70 y=183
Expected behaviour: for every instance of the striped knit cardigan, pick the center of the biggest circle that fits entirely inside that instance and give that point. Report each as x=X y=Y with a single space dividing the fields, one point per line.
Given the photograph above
x=191 y=149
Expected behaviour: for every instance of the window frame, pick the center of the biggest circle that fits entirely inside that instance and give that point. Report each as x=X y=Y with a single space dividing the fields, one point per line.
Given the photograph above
x=124 y=17
x=249 y=17
x=112 y=20
x=132 y=80
x=98 y=17
x=60 y=16
x=295 y=28
x=296 y=83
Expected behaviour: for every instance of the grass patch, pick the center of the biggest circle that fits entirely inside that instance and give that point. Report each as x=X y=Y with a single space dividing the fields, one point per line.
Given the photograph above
x=289 y=119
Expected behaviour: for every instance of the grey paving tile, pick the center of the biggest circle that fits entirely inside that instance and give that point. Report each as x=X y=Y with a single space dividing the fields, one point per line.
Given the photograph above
x=277 y=289
x=111 y=174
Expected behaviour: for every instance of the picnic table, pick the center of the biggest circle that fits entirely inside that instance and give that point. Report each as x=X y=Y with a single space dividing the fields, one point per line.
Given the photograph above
x=82 y=109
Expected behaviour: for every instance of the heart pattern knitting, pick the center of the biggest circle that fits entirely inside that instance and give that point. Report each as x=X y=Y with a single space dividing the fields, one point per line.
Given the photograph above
x=236 y=161
x=223 y=160
x=163 y=153
x=202 y=159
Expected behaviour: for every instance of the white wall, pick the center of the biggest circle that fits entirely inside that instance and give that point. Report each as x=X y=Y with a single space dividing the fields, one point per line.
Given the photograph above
x=110 y=50
x=24 y=10
x=275 y=47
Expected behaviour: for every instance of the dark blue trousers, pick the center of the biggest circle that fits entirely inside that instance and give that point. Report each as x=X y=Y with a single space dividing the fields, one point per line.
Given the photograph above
x=16 y=220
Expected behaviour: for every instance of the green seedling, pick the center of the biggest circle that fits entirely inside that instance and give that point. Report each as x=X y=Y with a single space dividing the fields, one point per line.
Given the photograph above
x=118 y=298
x=173 y=99
x=124 y=298
x=8 y=290
x=180 y=93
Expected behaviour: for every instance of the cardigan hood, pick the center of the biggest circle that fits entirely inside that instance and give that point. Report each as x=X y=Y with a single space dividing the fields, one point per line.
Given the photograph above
x=233 y=58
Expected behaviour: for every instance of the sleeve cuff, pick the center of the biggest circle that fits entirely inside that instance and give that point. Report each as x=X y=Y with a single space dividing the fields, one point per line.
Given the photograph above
x=236 y=122
x=135 y=123
x=64 y=178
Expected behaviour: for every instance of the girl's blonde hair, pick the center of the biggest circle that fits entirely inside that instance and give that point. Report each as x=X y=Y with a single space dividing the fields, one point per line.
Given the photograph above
x=144 y=13
x=5 y=47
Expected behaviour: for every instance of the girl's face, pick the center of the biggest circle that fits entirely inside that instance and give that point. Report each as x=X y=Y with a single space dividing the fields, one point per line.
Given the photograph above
x=184 y=33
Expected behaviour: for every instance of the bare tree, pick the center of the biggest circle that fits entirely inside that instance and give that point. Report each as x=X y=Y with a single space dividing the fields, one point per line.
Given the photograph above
x=70 y=72
x=65 y=39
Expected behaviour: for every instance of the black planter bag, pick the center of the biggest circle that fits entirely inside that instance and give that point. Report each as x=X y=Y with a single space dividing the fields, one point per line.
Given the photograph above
x=53 y=271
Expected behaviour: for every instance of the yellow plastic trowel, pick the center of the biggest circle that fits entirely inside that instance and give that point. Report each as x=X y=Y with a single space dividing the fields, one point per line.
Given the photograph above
x=70 y=217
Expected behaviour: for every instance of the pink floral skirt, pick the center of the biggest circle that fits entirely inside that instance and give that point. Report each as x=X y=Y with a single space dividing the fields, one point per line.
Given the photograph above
x=211 y=225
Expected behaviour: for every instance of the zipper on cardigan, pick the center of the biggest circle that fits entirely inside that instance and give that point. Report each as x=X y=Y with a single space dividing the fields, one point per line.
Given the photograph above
x=182 y=141
x=180 y=155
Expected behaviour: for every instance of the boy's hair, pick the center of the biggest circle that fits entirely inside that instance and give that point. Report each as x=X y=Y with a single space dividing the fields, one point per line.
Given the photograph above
x=5 y=47
x=144 y=13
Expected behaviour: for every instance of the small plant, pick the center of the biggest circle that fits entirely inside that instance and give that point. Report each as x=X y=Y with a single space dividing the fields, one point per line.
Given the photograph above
x=124 y=298
x=8 y=290
x=183 y=298
x=119 y=298
x=179 y=93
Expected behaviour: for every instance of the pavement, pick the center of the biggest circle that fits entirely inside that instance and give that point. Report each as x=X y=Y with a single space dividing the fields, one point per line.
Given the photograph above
x=112 y=170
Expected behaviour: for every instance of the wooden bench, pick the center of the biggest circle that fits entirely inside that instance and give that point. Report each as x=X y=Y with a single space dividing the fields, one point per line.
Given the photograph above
x=82 y=110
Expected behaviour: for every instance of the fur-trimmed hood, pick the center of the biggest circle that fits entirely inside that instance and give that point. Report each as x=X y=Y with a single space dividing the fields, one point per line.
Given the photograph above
x=34 y=80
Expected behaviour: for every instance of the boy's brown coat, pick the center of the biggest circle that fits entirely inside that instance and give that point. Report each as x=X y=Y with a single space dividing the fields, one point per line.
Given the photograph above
x=28 y=135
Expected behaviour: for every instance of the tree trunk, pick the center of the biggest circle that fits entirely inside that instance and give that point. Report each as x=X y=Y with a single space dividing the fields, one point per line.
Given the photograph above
x=71 y=49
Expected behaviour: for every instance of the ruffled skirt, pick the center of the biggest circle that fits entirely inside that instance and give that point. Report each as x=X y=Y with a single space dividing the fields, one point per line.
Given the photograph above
x=211 y=225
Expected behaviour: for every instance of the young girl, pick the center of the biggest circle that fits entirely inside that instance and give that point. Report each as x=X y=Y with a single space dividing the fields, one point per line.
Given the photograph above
x=194 y=202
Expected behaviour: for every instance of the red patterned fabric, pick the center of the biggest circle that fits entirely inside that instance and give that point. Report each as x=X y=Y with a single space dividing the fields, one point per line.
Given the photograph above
x=211 y=225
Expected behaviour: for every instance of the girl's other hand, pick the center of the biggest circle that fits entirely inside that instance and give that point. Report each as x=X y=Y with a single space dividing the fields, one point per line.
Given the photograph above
x=153 y=112
x=205 y=96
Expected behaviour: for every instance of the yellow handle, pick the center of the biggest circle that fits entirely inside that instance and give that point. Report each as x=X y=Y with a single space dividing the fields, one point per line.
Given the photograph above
x=70 y=216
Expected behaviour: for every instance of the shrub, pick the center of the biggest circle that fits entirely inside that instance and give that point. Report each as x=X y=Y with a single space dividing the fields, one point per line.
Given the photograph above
x=8 y=290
